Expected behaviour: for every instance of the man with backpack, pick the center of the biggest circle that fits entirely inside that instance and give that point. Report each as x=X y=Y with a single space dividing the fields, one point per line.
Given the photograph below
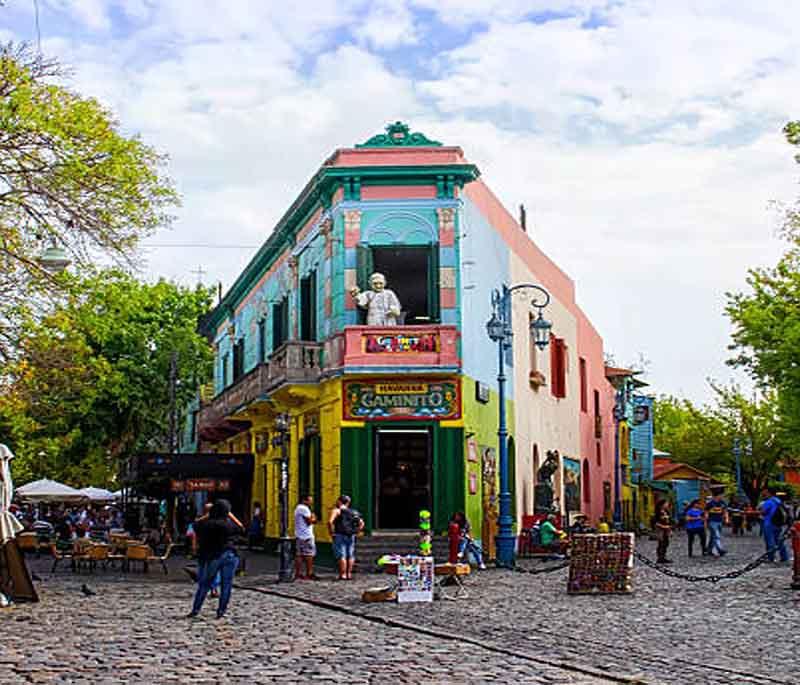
x=774 y=518
x=344 y=524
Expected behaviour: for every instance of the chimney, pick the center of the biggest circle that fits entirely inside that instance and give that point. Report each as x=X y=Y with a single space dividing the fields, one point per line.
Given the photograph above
x=522 y=218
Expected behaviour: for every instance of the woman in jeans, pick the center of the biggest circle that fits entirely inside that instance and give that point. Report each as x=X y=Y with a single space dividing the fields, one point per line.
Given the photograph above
x=216 y=555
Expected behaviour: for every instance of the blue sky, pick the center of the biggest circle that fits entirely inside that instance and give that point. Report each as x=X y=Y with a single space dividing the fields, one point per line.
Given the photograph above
x=642 y=136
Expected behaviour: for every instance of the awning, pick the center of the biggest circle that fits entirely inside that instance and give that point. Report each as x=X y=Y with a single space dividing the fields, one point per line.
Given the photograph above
x=99 y=494
x=49 y=491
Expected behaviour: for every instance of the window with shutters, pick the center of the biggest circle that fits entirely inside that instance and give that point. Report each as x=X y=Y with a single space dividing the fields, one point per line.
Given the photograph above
x=584 y=389
x=223 y=371
x=558 y=367
x=238 y=359
x=411 y=272
x=262 y=340
x=308 y=307
x=280 y=323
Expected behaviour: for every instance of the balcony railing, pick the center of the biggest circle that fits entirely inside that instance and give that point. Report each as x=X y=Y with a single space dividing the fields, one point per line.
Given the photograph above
x=420 y=347
x=292 y=362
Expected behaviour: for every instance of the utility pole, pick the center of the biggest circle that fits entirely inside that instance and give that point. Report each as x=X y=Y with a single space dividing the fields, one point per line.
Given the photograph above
x=173 y=409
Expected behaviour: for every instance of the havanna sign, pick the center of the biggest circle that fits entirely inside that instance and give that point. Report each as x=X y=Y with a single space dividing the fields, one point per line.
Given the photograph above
x=402 y=400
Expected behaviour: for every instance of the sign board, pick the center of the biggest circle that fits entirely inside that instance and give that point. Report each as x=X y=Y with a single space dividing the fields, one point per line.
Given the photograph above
x=200 y=484
x=402 y=399
x=481 y=392
x=415 y=579
x=399 y=343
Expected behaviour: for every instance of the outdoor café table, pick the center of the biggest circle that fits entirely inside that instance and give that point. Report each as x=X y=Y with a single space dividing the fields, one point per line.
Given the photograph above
x=441 y=572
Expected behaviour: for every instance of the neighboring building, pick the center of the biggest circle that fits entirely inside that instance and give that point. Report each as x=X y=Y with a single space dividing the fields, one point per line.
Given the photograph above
x=627 y=503
x=404 y=417
x=686 y=483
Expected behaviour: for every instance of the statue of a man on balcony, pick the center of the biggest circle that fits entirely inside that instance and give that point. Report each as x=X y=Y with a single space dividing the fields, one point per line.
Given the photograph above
x=382 y=305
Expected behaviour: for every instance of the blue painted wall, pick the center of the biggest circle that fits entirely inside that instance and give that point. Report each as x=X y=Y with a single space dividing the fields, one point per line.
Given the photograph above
x=485 y=266
x=642 y=440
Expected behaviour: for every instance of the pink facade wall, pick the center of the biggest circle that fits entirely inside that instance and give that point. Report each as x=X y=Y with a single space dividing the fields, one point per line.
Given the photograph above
x=590 y=348
x=590 y=344
x=398 y=192
x=399 y=156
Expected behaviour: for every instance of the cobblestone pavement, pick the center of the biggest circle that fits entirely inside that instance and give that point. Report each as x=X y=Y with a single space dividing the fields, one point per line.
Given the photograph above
x=134 y=631
x=667 y=632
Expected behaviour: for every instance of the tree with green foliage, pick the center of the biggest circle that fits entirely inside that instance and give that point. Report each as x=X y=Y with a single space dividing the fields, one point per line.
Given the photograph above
x=91 y=385
x=68 y=178
x=766 y=320
x=704 y=436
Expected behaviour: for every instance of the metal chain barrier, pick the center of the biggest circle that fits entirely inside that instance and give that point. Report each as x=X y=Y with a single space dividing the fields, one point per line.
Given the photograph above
x=548 y=569
x=714 y=578
x=689 y=577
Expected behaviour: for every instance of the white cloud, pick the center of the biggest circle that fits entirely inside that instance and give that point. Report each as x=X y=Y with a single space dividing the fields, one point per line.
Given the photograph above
x=646 y=150
x=389 y=24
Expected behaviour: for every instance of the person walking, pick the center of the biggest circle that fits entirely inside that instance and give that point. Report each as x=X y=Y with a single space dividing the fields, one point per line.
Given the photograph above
x=662 y=524
x=344 y=524
x=216 y=554
x=774 y=518
x=304 y=520
x=255 y=531
x=696 y=526
x=716 y=517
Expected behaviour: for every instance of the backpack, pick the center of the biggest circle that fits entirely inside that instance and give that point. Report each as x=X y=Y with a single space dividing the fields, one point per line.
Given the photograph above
x=780 y=516
x=351 y=521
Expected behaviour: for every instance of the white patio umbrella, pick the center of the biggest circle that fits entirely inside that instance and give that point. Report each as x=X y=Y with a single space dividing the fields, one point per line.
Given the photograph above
x=49 y=491
x=98 y=494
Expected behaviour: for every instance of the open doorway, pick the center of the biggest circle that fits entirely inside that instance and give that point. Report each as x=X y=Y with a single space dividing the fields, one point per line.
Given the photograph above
x=402 y=476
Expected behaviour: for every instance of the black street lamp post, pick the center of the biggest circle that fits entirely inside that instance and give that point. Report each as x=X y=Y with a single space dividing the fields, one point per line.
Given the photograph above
x=500 y=330
x=285 y=544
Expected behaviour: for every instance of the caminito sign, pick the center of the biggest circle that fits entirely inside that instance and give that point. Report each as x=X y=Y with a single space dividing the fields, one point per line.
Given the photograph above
x=402 y=400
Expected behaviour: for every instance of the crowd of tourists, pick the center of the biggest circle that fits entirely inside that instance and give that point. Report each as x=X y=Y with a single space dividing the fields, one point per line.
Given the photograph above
x=705 y=523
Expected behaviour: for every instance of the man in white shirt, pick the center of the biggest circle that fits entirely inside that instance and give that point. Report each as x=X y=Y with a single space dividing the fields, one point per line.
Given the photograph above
x=304 y=520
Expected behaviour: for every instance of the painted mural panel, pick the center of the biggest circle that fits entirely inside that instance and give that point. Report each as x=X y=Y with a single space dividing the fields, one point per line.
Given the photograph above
x=572 y=484
x=390 y=399
x=491 y=501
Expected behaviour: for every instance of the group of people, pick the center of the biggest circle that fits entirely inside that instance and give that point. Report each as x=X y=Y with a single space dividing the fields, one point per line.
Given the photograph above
x=67 y=524
x=704 y=524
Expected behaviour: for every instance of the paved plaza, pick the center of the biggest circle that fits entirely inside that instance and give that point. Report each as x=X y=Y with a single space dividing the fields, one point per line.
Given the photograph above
x=514 y=627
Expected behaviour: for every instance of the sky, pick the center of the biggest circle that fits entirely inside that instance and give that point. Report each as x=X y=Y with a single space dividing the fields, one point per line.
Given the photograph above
x=642 y=136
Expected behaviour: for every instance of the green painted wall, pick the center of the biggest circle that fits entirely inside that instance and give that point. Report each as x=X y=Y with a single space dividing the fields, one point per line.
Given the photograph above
x=481 y=420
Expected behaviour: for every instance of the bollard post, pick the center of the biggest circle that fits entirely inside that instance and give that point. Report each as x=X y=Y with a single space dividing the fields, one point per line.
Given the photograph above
x=454 y=538
x=796 y=552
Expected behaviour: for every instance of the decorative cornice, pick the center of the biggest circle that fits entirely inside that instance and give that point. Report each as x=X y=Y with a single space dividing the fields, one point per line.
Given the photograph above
x=398 y=135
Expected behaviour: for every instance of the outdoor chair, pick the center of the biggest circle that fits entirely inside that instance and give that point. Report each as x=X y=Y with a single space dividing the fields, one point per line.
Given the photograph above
x=140 y=553
x=59 y=555
x=163 y=558
x=94 y=554
x=28 y=542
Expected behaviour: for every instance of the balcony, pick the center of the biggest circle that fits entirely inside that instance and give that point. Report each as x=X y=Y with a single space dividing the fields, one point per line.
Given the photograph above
x=292 y=362
x=395 y=348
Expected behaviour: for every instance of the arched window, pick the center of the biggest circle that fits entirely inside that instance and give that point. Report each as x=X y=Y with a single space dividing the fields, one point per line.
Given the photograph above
x=587 y=488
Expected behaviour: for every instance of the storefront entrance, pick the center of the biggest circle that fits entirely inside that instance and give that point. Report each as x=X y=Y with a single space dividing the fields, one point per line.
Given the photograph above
x=403 y=458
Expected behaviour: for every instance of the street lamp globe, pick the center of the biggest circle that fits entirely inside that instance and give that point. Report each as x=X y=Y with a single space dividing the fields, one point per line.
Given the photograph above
x=540 y=330
x=54 y=259
x=281 y=423
x=495 y=328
